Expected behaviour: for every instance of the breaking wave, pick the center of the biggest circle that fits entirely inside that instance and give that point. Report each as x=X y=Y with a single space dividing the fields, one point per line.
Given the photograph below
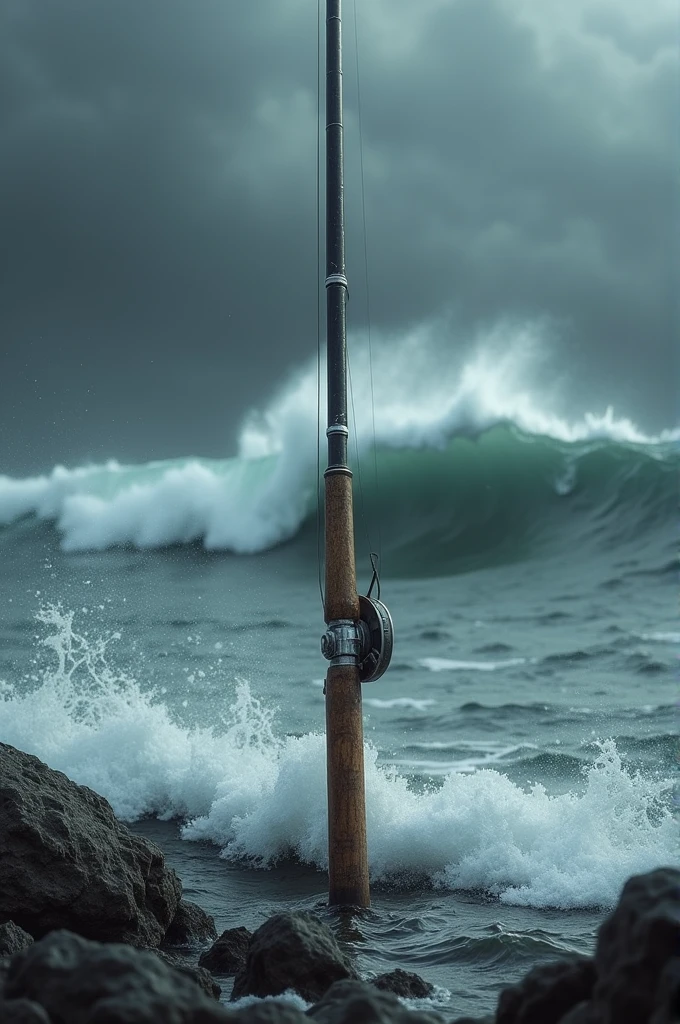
x=470 y=464
x=260 y=796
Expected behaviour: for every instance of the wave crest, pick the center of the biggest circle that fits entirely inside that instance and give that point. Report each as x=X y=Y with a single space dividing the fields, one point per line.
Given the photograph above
x=263 y=496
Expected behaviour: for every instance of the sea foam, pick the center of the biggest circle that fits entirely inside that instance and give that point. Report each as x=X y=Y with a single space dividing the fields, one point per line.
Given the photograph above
x=260 y=796
x=449 y=665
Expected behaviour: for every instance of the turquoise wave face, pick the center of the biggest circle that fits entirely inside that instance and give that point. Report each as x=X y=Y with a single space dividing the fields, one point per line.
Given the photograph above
x=503 y=496
x=507 y=496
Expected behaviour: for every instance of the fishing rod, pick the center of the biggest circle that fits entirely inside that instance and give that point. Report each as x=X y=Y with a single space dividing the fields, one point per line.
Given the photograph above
x=359 y=635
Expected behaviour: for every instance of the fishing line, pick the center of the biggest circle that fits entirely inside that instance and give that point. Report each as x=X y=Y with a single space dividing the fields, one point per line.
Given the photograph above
x=375 y=579
x=362 y=503
x=373 y=555
x=318 y=304
x=368 y=297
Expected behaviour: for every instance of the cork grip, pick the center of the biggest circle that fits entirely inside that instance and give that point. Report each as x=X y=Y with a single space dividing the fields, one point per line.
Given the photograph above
x=348 y=874
x=341 y=581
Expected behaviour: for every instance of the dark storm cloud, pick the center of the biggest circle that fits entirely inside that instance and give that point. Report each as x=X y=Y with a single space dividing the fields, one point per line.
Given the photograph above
x=157 y=202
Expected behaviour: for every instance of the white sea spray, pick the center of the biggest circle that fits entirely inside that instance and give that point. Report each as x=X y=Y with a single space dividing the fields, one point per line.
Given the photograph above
x=260 y=797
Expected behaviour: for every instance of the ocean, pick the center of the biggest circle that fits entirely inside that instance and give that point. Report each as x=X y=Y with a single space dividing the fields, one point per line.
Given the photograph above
x=160 y=643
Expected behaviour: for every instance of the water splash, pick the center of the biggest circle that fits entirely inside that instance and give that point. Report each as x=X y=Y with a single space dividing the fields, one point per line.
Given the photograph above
x=260 y=797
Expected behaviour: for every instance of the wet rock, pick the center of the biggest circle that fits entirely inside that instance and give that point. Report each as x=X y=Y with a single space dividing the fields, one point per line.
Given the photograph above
x=203 y=978
x=22 y=1011
x=190 y=926
x=13 y=939
x=583 y=1013
x=228 y=954
x=292 y=951
x=68 y=863
x=404 y=983
x=271 y=1012
x=4 y=967
x=475 y=1020
x=358 y=1002
x=634 y=978
x=668 y=995
x=547 y=993
x=636 y=946
x=78 y=981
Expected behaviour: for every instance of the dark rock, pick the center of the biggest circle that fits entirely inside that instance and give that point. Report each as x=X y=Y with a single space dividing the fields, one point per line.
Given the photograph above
x=475 y=1020
x=190 y=926
x=404 y=984
x=22 y=1011
x=583 y=1013
x=13 y=939
x=636 y=945
x=291 y=951
x=357 y=1002
x=4 y=968
x=68 y=863
x=81 y=982
x=228 y=954
x=547 y=993
x=271 y=1012
x=203 y=978
x=668 y=995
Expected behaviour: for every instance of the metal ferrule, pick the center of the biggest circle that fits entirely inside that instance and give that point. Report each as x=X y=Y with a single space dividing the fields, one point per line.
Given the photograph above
x=337 y=434
x=338 y=279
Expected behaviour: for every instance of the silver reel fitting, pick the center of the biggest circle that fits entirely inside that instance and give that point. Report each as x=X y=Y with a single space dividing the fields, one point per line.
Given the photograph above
x=369 y=641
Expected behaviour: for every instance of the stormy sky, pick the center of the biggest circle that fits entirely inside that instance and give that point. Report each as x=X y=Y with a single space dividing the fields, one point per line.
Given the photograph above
x=157 y=204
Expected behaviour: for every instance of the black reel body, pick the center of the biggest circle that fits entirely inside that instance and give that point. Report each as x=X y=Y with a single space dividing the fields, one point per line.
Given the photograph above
x=377 y=641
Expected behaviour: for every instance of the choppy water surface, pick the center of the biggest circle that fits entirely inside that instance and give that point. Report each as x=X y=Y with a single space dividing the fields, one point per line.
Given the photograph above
x=520 y=753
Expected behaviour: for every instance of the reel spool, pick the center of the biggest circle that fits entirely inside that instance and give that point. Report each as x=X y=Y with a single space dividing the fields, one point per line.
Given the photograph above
x=377 y=639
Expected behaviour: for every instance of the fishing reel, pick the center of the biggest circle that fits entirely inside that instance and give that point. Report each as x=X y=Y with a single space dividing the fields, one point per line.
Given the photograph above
x=377 y=628
x=370 y=640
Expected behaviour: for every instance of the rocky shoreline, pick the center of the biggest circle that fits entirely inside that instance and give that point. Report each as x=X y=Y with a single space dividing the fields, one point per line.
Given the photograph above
x=92 y=922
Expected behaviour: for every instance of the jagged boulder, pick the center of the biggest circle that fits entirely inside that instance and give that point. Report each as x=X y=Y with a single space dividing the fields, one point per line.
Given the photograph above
x=292 y=951
x=475 y=1020
x=358 y=1002
x=22 y=1011
x=79 y=981
x=634 y=977
x=228 y=954
x=547 y=993
x=190 y=926
x=271 y=1012
x=203 y=978
x=668 y=995
x=68 y=863
x=405 y=984
x=637 y=947
x=13 y=939
x=582 y=1013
